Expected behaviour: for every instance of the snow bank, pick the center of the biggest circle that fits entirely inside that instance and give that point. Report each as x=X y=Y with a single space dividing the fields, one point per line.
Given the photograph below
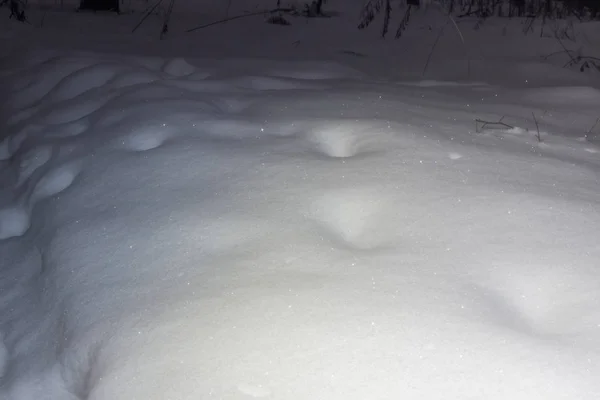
x=179 y=232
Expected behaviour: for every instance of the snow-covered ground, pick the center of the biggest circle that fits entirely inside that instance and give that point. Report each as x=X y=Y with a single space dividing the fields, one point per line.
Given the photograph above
x=180 y=221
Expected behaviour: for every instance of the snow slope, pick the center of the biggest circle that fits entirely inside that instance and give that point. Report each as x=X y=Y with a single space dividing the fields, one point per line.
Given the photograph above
x=184 y=228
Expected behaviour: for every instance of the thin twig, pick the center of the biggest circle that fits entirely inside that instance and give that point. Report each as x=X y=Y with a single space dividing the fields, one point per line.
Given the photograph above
x=529 y=26
x=165 y=28
x=547 y=56
x=240 y=16
x=486 y=123
x=437 y=39
x=147 y=15
x=565 y=49
x=43 y=18
x=464 y=45
x=543 y=25
x=227 y=9
x=539 y=137
x=593 y=126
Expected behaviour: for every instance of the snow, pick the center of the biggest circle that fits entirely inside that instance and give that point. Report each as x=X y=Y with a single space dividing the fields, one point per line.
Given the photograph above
x=14 y=221
x=208 y=225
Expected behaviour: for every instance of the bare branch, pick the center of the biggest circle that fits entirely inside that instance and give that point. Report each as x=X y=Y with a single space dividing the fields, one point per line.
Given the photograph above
x=146 y=15
x=485 y=124
x=593 y=126
x=539 y=136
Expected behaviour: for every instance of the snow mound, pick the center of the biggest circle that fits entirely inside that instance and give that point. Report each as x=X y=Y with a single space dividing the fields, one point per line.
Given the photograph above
x=83 y=80
x=13 y=222
x=54 y=181
x=178 y=67
x=344 y=138
x=29 y=89
x=33 y=160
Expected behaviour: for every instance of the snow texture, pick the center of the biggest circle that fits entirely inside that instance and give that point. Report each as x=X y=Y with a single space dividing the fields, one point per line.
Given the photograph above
x=189 y=228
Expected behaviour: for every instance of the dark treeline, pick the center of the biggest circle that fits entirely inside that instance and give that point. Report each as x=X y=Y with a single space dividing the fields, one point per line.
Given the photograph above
x=582 y=9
